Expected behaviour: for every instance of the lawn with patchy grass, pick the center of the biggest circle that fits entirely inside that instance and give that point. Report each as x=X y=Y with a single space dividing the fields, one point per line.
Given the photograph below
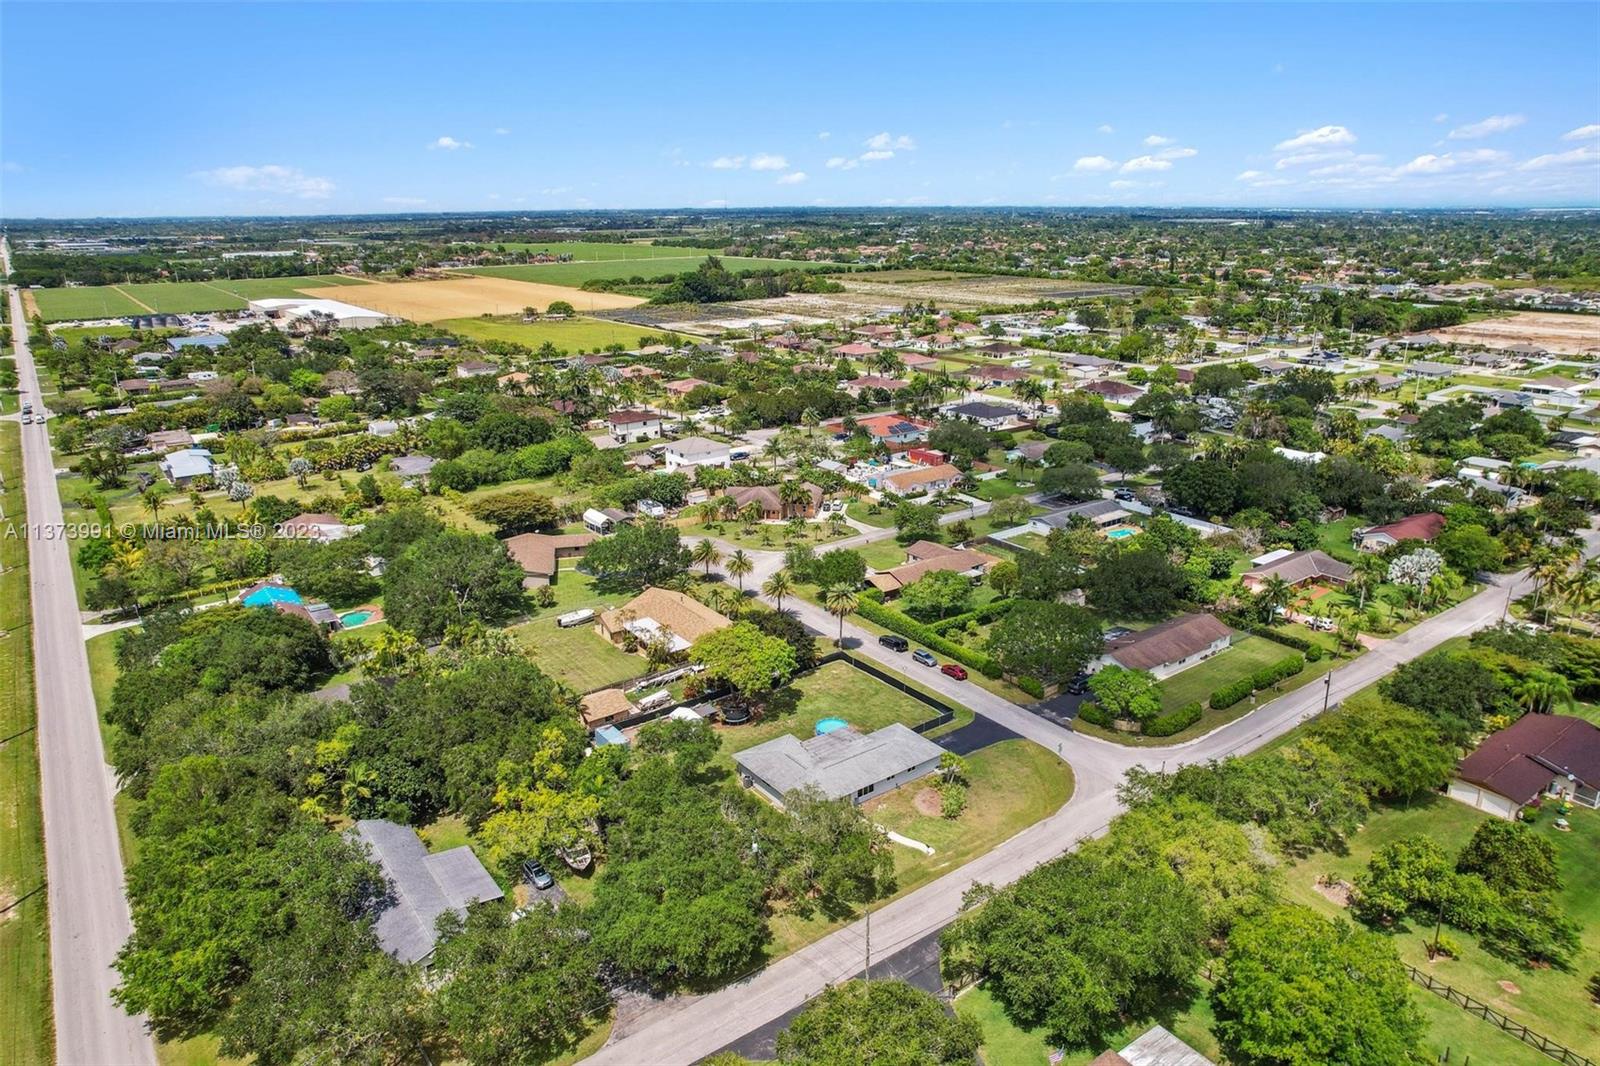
x=1243 y=658
x=763 y=536
x=836 y=690
x=26 y=1030
x=572 y=335
x=1547 y=1000
x=575 y=274
x=602 y=251
x=578 y=657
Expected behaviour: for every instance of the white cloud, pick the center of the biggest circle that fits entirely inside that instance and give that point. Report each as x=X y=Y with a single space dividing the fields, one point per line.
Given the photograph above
x=501 y=131
x=824 y=135
x=792 y=178
x=1320 y=137
x=1589 y=153
x=889 y=142
x=1491 y=125
x=1142 y=163
x=405 y=201
x=1250 y=175
x=449 y=144
x=1442 y=116
x=1300 y=159
x=1177 y=153
x=1582 y=133
x=1094 y=162
x=1260 y=179
x=1105 y=127
x=876 y=155
x=768 y=162
x=1155 y=140
x=727 y=162
x=840 y=162
x=1123 y=183
x=1438 y=164
x=271 y=178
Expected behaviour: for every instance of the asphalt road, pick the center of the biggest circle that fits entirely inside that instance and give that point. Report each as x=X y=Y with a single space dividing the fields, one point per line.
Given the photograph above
x=685 y=1033
x=83 y=862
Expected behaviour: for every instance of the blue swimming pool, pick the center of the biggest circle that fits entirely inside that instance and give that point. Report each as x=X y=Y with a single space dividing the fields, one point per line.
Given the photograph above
x=268 y=595
x=831 y=725
x=1119 y=534
x=352 y=619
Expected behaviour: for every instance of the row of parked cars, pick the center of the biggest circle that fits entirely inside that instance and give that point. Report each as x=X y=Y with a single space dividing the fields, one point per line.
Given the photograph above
x=923 y=656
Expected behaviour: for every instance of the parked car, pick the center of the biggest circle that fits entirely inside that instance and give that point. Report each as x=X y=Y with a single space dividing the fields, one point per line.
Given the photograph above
x=1122 y=494
x=738 y=457
x=952 y=670
x=536 y=875
x=1078 y=685
x=894 y=643
x=925 y=657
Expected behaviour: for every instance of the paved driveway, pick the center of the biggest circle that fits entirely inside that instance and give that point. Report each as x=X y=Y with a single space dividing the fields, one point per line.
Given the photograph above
x=975 y=735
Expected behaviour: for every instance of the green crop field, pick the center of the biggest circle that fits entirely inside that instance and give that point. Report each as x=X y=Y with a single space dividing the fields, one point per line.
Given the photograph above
x=589 y=252
x=99 y=301
x=176 y=297
x=576 y=334
x=576 y=274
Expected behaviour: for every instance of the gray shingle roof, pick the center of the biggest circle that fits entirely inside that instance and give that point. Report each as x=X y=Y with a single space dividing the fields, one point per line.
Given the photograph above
x=838 y=763
x=425 y=886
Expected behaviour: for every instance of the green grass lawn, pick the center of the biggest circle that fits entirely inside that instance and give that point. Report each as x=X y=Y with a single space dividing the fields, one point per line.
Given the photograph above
x=184 y=296
x=884 y=554
x=578 y=657
x=596 y=251
x=174 y=297
x=1005 y=1043
x=1334 y=538
x=98 y=301
x=1549 y=1001
x=575 y=274
x=861 y=511
x=26 y=1030
x=763 y=536
x=1196 y=684
x=998 y=488
x=572 y=335
x=835 y=690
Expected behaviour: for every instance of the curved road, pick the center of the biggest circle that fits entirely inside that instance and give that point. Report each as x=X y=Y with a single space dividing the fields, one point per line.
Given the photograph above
x=83 y=860
x=684 y=1029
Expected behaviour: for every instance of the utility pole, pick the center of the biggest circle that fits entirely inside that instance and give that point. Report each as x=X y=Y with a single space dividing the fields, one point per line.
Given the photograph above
x=1327 y=690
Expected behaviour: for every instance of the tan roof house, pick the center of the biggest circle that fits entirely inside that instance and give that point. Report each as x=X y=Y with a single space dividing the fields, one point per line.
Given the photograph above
x=539 y=553
x=925 y=557
x=606 y=707
x=658 y=614
x=1165 y=649
x=924 y=479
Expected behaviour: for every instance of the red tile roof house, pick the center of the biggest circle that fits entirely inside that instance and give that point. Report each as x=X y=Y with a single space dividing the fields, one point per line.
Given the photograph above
x=854 y=350
x=997 y=375
x=1114 y=391
x=1423 y=527
x=923 y=479
x=1536 y=756
x=684 y=387
x=633 y=425
x=913 y=361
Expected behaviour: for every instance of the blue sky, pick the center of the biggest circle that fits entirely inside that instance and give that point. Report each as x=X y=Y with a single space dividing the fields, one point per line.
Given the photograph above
x=132 y=109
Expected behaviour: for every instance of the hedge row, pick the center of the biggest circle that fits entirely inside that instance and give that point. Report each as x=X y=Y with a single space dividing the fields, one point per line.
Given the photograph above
x=874 y=611
x=1164 y=725
x=1266 y=677
x=1095 y=714
x=983 y=616
x=1288 y=640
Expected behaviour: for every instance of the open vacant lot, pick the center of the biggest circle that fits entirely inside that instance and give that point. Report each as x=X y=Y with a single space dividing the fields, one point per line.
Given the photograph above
x=174 y=297
x=465 y=297
x=572 y=335
x=649 y=269
x=1558 y=333
x=99 y=301
x=597 y=251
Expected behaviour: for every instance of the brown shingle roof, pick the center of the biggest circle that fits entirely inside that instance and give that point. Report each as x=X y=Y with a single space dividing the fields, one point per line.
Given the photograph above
x=684 y=615
x=536 y=553
x=956 y=560
x=1424 y=526
x=1520 y=760
x=1172 y=640
x=1303 y=566
x=603 y=707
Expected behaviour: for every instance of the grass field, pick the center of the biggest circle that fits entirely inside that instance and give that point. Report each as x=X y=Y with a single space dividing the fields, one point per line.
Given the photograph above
x=572 y=335
x=1247 y=655
x=835 y=690
x=1007 y=1044
x=578 y=657
x=26 y=1033
x=649 y=269
x=592 y=251
x=175 y=297
x=1549 y=1001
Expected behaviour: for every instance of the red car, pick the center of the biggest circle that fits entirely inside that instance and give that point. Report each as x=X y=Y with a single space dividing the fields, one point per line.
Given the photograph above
x=952 y=670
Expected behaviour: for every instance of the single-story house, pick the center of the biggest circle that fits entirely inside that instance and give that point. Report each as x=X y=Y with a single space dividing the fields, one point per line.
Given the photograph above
x=1422 y=527
x=316 y=526
x=925 y=557
x=770 y=499
x=633 y=425
x=987 y=414
x=924 y=363
x=1428 y=370
x=413 y=469
x=1299 y=568
x=166 y=440
x=1167 y=648
x=476 y=368
x=1113 y=391
x=856 y=386
x=696 y=451
x=424 y=886
x=839 y=764
x=183 y=467
x=382 y=427
x=1101 y=513
x=1155 y=1047
x=606 y=707
x=1537 y=755
x=853 y=350
x=658 y=614
x=891 y=429
x=210 y=341
x=539 y=554
x=684 y=386
x=996 y=375
x=922 y=479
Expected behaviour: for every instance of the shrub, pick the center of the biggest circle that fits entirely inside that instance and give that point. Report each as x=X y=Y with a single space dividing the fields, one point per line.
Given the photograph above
x=1095 y=714
x=1031 y=686
x=1288 y=640
x=952 y=799
x=1314 y=653
x=1165 y=725
x=1228 y=695
x=873 y=610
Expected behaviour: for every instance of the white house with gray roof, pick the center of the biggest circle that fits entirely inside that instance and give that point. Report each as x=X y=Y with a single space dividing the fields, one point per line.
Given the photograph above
x=423 y=886
x=843 y=763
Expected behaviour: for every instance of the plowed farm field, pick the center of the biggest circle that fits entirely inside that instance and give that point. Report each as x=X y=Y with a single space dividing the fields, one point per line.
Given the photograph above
x=434 y=301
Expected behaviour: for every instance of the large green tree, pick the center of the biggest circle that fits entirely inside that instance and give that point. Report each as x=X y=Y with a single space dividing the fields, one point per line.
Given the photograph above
x=451 y=579
x=638 y=554
x=745 y=657
x=1045 y=640
x=878 y=1023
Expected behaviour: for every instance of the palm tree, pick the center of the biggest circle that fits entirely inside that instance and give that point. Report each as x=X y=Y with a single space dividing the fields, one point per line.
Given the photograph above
x=740 y=564
x=778 y=586
x=719 y=599
x=152 y=500
x=705 y=554
x=1541 y=690
x=1275 y=593
x=840 y=601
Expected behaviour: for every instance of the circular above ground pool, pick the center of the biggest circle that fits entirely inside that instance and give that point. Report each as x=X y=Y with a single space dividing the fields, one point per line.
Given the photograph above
x=831 y=725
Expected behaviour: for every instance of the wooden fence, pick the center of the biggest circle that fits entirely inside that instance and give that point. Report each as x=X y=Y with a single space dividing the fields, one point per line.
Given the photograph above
x=1565 y=1056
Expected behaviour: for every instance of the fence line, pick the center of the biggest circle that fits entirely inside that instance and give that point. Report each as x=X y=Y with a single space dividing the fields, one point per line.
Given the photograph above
x=1477 y=1008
